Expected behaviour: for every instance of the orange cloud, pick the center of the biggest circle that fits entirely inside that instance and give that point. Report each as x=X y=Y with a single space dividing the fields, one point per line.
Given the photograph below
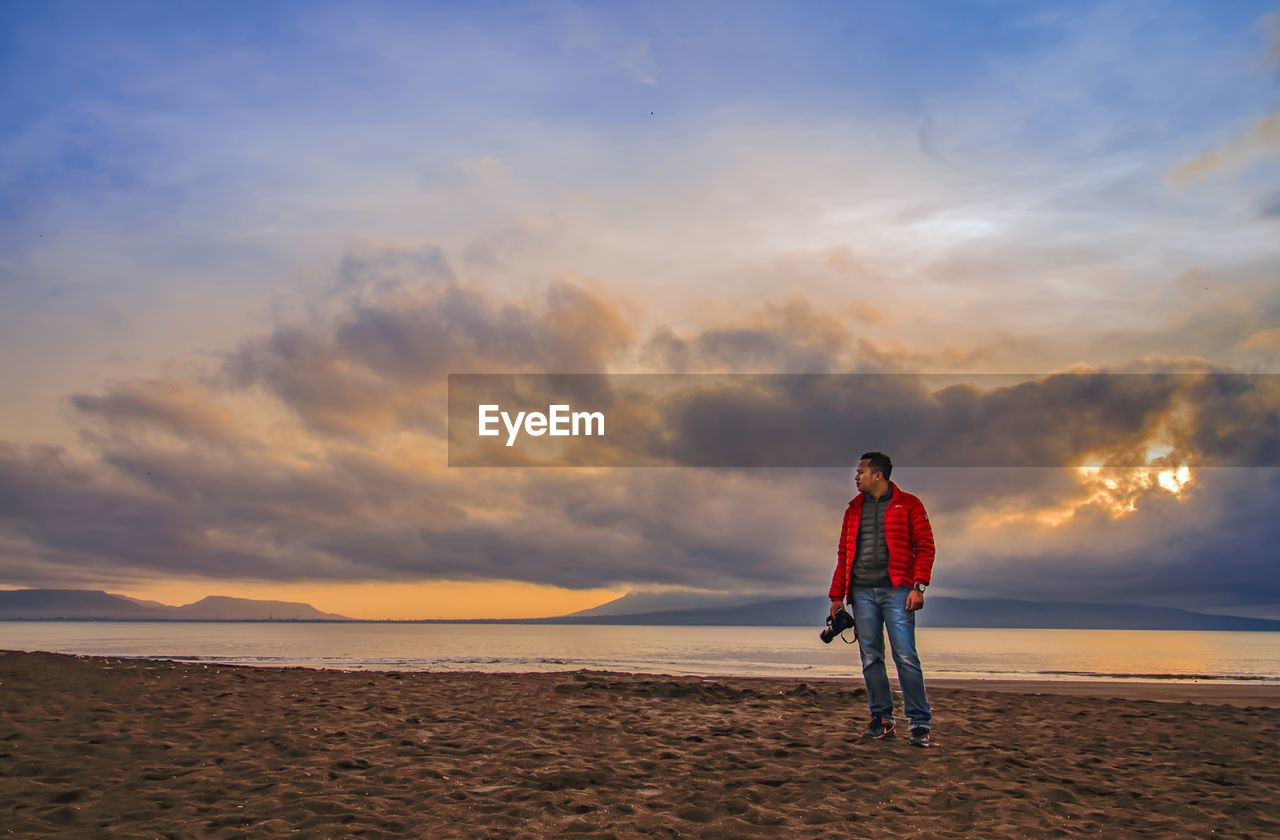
x=1261 y=139
x=1267 y=339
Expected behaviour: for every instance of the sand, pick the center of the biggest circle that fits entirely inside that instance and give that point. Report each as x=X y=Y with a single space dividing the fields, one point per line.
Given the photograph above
x=99 y=747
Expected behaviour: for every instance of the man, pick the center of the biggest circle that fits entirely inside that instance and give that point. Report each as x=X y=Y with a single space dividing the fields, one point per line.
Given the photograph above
x=883 y=565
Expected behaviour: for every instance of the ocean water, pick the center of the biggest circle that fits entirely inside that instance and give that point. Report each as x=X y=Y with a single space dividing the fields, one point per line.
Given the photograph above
x=706 y=651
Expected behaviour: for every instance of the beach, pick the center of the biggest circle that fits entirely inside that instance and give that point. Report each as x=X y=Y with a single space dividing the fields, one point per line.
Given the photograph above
x=106 y=747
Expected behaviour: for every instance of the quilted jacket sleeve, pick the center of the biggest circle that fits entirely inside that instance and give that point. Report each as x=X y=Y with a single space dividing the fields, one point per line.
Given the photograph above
x=840 y=580
x=922 y=548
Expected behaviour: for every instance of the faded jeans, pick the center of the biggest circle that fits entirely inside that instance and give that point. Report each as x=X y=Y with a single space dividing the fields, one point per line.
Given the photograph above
x=876 y=609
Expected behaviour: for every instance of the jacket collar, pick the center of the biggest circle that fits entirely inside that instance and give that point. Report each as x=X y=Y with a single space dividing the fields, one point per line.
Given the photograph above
x=893 y=494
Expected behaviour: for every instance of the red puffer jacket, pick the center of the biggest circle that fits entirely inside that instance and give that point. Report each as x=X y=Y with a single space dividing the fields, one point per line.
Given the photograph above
x=907 y=532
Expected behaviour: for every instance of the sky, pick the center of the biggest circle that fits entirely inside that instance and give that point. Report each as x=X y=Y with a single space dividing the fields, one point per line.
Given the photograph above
x=242 y=247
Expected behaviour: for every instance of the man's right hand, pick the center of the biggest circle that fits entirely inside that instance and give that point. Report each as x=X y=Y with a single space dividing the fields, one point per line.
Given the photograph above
x=836 y=606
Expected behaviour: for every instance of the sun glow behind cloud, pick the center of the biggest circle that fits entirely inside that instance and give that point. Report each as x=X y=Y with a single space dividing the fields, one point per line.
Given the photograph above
x=1115 y=491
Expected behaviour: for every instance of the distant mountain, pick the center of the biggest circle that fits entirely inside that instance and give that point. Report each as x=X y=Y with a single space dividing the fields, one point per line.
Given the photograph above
x=222 y=608
x=42 y=604
x=73 y=603
x=638 y=603
x=941 y=611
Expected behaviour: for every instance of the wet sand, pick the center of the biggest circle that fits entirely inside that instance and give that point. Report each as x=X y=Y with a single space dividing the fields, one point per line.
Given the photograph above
x=99 y=747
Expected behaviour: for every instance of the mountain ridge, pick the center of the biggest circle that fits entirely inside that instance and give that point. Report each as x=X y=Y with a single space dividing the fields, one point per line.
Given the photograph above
x=940 y=611
x=96 y=605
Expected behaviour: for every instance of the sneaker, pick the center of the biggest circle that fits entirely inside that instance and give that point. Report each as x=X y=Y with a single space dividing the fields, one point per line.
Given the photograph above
x=919 y=736
x=879 y=727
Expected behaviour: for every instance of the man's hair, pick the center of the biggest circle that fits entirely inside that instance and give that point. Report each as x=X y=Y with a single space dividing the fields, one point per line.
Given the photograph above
x=878 y=462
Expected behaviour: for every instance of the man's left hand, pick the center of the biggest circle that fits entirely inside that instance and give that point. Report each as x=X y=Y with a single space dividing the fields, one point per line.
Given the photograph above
x=915 y=600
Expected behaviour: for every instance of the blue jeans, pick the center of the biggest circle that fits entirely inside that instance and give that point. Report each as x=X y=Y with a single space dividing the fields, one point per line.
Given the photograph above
x=876 y=609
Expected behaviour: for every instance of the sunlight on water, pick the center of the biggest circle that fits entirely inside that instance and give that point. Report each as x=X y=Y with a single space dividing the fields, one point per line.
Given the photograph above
x=721 y=651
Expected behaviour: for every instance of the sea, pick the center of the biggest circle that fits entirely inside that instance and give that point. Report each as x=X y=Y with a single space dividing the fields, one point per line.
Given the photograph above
x=1156 y=655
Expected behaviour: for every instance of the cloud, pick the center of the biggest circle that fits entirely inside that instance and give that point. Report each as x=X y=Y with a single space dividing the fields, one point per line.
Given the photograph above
x=791 y=337
x=1259 y=140
x=1269 y=26
x=329 y=458
x=637 y=59
x=376 y=364
x=181 y=408
x=84 y=514
x=1209 y=418
x=800 y=222
x=1266 y=339
x=355 y=518
x=1160 y=554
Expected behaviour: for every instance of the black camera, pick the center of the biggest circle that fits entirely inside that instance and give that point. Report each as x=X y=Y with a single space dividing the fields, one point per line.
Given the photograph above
x=837 y=624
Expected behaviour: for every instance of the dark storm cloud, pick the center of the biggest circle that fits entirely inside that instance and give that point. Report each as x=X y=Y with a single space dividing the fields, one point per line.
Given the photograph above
x=1053 y=421
x=352 y=518
x=84 y=515
x=956 y=492
x=181 y=513
x=569 y=329
x=366 y=371
x=1213 y=550
x=799 y=420
x=1234 y=420
x=339 y=508
x=307 y=373
x=582 y=531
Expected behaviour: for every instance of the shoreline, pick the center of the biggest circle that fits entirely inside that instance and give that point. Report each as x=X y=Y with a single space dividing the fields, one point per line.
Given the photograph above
x=1173 y=689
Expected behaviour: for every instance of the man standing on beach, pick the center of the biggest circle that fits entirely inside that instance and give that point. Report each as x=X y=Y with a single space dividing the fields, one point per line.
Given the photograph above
x=883 y=565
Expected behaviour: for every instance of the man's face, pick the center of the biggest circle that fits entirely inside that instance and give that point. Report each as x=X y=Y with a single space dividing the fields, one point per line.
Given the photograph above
x=862 y=476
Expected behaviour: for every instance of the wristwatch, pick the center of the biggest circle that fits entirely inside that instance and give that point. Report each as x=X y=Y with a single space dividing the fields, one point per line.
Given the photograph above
x=920 y=587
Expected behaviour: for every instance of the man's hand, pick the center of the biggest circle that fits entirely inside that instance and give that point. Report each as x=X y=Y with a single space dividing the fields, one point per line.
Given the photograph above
x=915 y=600
x=836 y=606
